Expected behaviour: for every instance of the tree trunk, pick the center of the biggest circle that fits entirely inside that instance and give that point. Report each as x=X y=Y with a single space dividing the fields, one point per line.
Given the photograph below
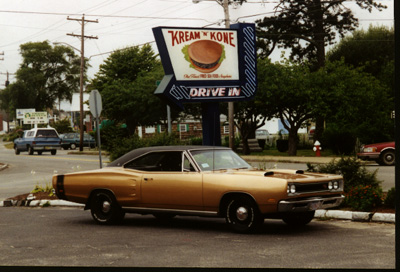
x=292 y=142
x=319 y=128
x=246 y=148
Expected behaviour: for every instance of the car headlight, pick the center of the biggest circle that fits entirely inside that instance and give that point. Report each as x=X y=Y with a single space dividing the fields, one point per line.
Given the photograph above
x=369 y=149
x=291 y=189
x=336 y=185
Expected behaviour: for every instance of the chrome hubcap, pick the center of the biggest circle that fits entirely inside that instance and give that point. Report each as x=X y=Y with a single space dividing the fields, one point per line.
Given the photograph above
x=241 y=213
x=106 y=207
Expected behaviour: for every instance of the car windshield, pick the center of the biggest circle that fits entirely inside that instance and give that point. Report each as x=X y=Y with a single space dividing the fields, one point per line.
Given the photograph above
x=209 y=160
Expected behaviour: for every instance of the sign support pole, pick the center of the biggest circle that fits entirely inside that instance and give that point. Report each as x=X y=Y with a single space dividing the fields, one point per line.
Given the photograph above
x=211 y=124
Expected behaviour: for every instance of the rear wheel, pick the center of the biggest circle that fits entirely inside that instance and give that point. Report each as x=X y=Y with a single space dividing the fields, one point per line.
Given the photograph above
x=242 y=214
x=53 y=152
x=298 y=218
x=30 y=150
x=39 y=152
x=105 y=209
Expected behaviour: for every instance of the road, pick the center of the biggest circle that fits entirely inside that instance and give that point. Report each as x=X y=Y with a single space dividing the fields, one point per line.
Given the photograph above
x=69 y=237
x=24 y=171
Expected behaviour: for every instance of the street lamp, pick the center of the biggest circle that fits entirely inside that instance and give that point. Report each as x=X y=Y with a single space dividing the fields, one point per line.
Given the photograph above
x=80 y=92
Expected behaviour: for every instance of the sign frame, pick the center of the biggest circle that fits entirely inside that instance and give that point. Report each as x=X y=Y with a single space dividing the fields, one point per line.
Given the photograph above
x=176 y=92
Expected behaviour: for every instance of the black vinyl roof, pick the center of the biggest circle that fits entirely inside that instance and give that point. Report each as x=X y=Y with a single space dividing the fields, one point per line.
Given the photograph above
x=140 y=151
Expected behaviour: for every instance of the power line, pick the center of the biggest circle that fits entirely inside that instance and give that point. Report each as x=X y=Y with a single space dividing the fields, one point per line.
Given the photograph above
x=102 y=15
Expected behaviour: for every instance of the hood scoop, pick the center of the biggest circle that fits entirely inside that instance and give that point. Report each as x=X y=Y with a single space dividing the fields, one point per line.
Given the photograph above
x=272 y=173
x=269 y=173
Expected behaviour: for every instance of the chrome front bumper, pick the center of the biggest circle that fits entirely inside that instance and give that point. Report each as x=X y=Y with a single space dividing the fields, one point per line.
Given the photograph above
x=309 y=204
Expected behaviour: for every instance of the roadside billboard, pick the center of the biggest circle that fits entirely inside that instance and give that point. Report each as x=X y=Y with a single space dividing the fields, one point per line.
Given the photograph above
x=207 y=64
x=20 y=113
x=39 y=117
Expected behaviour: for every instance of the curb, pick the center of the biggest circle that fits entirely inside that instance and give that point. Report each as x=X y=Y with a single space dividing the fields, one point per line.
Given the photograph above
x=356 y=216
x=3 y=166
x=320 y=214
x=39 y=203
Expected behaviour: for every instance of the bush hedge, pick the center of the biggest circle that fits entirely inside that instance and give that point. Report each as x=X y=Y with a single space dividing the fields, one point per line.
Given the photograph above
x=362 y=188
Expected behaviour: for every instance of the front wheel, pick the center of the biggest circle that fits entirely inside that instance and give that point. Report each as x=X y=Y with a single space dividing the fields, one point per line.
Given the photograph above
x=298 y=218
x=242 y=215
x=17 y=152
x=105 y=209
x=387 y=158
x=53 y=152
x=72 y=146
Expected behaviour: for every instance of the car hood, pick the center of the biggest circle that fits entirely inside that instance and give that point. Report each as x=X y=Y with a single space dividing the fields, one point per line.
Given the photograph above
x=286 y=174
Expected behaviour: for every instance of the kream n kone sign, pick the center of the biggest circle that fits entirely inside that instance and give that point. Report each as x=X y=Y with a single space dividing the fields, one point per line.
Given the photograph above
x=207 y=65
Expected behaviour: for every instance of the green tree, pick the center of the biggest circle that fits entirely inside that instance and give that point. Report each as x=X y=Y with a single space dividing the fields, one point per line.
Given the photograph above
x=127 y=81
x=358 y=103
x=251 y=115
x=292 y=96
x=46 y=74
x=6 y=103
x=306 y=27
x=373 y=50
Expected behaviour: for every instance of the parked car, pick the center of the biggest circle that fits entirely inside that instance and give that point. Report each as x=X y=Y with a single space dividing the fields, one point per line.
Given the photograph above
x=38 y=140
x=72 y=140
x=167 y=181
x=262 y=134
x=382 y=153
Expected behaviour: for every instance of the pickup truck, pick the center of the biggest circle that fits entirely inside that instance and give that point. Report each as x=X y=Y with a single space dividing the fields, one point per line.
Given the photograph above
x=38 y=140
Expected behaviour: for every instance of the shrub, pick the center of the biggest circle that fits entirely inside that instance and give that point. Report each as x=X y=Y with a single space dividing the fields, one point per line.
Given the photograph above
x=390 y=199
x=110 y=134
x=121 y=146
x=362 y=188
x=63 y=126
x=341 y=142
x=39 y=188
x=194 y=141
x=161 y=139
x=364 y=198
x=353 y=172
x=282 y=145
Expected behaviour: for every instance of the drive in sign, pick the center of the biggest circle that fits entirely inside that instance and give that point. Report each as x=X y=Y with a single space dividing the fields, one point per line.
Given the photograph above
x=207 y=65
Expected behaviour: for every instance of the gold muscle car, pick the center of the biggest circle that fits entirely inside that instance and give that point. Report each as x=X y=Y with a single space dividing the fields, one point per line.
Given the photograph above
x=167 y=181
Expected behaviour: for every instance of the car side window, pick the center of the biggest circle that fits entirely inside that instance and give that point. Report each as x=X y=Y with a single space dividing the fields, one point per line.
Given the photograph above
x=187 y=165
x=158 y=162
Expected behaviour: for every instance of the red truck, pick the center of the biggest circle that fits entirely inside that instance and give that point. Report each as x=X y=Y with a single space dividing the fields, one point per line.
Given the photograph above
x=382 y=153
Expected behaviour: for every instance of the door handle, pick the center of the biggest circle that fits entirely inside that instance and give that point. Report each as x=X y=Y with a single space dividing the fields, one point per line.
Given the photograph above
x=147 y=179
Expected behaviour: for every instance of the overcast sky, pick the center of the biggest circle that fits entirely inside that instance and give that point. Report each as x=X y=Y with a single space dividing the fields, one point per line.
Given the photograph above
x=123 y=23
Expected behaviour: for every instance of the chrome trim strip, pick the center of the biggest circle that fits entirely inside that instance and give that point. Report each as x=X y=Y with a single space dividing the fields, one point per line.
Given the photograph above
x=142 y=210
x=309 y=204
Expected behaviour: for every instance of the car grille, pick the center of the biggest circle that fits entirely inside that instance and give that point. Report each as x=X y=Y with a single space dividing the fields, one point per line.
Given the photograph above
x=312 y=187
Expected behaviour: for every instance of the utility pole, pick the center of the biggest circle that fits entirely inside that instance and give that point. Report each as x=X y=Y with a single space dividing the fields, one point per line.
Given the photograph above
x=82 y=37
x=225 y=5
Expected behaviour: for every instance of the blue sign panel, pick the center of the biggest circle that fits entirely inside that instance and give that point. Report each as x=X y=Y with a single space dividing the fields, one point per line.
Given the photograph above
x=207 y=65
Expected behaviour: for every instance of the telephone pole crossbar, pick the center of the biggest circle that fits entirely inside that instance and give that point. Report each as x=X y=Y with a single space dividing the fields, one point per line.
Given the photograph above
x=82 y=37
